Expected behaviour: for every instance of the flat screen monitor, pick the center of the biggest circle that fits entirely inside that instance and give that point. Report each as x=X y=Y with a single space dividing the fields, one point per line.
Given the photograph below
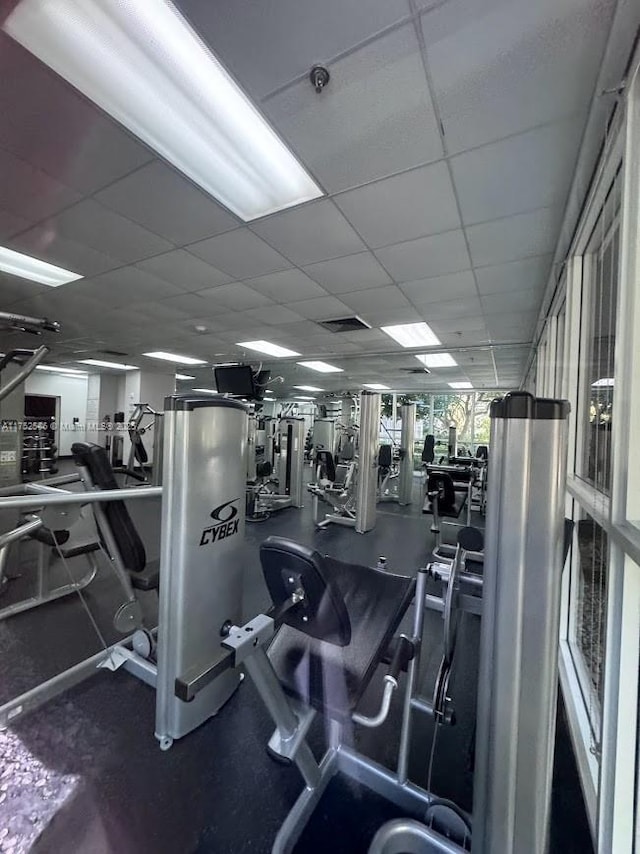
x=236 y=380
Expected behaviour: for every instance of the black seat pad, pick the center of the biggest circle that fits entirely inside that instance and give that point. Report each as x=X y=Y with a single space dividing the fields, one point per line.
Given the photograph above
x=130 y=546
x=325 y=459
x=384 y=456
x=333 y=678
x=451 y=512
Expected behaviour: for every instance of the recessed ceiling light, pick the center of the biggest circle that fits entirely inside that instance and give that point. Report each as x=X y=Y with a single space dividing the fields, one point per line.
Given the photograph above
x=26 y=267
x=605 y=382
x=184 y=377
x=268 y=348
x=376 y=386
x=119 y=366
x=460 y=385
x=56 y=370
x=412 y=335
x=206 y=390
x=173 y=357
x=307 y=388
x=321 y=367
x=147 y=68
x=304 y=397
x=437 y=360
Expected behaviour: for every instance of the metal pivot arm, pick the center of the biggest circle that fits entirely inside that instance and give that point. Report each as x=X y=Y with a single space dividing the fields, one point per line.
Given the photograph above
x=24 y=372
x=28 y=324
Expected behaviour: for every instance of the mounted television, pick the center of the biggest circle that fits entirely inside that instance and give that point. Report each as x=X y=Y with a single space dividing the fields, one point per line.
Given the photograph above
x=236 y=380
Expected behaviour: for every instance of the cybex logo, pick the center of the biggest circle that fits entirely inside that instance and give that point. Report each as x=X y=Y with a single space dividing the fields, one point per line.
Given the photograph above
x=226 y=523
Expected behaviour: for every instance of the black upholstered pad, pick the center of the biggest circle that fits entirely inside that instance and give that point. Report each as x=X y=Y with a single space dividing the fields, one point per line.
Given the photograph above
x=451 y=512
x=288 y=566
x=130 y=546
x=333 y=678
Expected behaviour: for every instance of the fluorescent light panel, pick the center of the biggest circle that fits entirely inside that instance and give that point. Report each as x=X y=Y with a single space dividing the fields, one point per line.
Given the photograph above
x=412 y=335
x=206 y=390
x=321 y=367
x=304 y=397
x=98 y=363
x=35 y=270
x=376 y=386
x=460 y=385
x=268 y=348
x=184 y=377
x=605 y=382
x=146 y=67
x=437 y=360
x=54 y=370
x=173 y=357
x=307 y=388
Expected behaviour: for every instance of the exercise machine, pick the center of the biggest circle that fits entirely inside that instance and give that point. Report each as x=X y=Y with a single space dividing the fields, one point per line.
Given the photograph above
x=395 y=465
x=332 y=624
x=138 y=466
x=350 y=486
x=262 y=497
x=199 y=573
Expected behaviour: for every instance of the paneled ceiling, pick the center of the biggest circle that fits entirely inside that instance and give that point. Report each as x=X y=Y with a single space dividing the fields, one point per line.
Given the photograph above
x=445 y=142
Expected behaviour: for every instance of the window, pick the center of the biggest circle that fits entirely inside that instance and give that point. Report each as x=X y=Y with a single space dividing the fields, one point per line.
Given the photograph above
x=600 y=292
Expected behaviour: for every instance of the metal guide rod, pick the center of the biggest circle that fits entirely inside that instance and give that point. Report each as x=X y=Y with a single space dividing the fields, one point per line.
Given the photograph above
x=407 y=433
x=368 y=461
x=519 y=634
x=21 y=501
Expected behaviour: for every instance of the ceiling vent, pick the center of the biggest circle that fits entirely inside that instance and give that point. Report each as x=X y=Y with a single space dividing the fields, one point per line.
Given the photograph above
x=344 y=324
x=416 y=370
x=113 y=353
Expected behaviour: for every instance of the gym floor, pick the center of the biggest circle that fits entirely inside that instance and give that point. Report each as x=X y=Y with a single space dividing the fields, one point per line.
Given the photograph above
x=85 y=774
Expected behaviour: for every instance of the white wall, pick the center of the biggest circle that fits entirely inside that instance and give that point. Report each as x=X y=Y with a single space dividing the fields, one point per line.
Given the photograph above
x=72 y=392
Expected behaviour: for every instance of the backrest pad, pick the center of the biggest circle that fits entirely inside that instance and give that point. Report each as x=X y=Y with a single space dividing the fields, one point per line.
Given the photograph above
x=94 y=458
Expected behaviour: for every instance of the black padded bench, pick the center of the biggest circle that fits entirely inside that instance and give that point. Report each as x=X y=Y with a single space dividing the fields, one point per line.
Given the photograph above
x=118 y=534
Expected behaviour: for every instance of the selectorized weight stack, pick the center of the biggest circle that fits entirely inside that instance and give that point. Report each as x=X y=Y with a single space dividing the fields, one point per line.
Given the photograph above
x=203 y=517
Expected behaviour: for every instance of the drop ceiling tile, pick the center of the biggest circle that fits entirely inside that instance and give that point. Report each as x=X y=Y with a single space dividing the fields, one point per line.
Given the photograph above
x=521 y=300
x=131 y=283
x=442 y=324
x=388 y=316
x=14 y=288
x=413 y=204
x=11 y=224
x=450 y=309
x=28 y=192
x=164 y=201
x=236 y=297
x=349 y=273
x=274 y=315
x=514 y=237
x=376 y=299
x=522 y=173
x=90 y=223
x=322 y=308
x=313 y=232
x=184 y=270
x=514 y=276
x=425 y=257
x=49 y=124
x=45 y=242
x=241 y=254
x=375 y=118
x=439 y=288
x=287 y=286
x=503 y=66
x=192 y=304
x=267 y=46
x=157 y=311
